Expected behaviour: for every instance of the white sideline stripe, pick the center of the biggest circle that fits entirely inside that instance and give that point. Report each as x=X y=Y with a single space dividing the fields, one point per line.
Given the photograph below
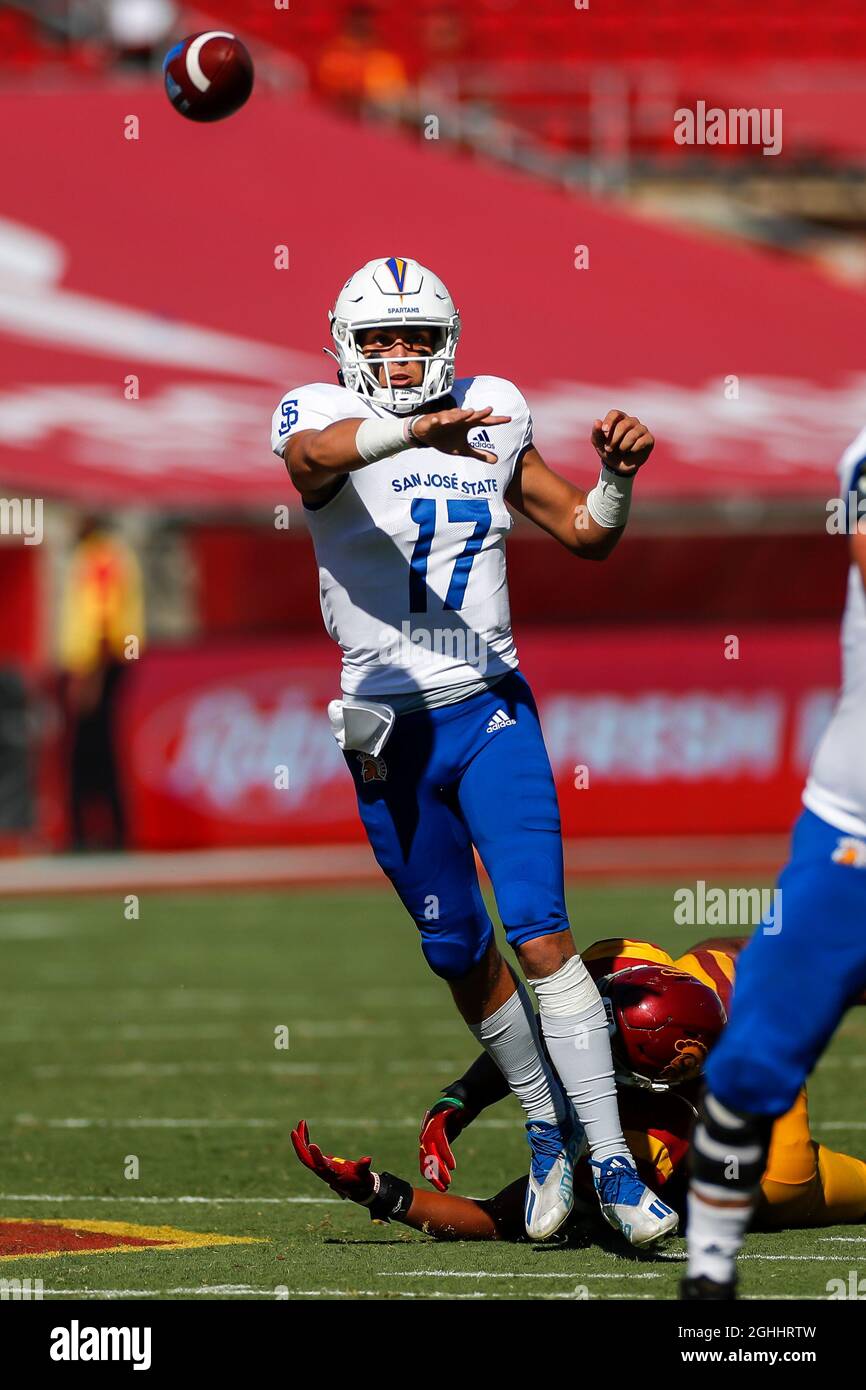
x=789 y=1259
x=122 y=1070
x=487 y=1274
x=172 y=1122
x=336 y=1122
x=240 y=1291
x=168 y=1201
x=145 y=1123
x=126 y=1033
x=136 y=1293
x=23 y=927
x=222 y=999
x=246 y=1291
x=134 y=1032
x=54 y=990
x=217 y=1290
x=795 y=1259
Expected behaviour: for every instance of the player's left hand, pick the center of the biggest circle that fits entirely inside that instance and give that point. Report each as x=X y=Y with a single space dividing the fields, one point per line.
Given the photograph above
x=349 y=1178
x=440 y=1124
x=622 y=443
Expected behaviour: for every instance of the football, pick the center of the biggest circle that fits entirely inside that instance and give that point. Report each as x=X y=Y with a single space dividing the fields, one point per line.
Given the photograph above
x=208 y=76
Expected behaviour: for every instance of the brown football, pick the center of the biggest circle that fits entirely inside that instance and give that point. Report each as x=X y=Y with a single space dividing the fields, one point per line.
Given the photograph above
x=208 y=76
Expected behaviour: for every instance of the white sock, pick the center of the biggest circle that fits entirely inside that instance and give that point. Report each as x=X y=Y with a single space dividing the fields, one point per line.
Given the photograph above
x=716 y=1231
x=511 y=1037
x=574 y=1025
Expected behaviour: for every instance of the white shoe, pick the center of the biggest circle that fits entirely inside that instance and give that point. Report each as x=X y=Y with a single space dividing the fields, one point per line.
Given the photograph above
x=550 y=1187
x=628 y=1204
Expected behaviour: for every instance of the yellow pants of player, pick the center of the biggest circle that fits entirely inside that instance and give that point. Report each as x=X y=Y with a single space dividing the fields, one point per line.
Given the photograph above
x=805 y=1183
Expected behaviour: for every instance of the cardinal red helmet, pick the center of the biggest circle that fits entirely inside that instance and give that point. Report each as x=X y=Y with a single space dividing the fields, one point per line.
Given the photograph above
x=665 y=1023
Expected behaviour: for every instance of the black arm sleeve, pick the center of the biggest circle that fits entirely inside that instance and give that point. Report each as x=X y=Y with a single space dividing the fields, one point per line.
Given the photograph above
x=481 y=1085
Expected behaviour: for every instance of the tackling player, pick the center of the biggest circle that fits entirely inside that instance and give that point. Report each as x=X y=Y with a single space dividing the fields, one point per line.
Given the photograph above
x=665 y=1016
x=795 y=983
x=407 y=476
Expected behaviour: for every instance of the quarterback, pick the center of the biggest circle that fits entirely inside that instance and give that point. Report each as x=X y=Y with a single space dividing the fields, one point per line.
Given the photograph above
x=793 y=985
x=665 y=1017
x=407 y=476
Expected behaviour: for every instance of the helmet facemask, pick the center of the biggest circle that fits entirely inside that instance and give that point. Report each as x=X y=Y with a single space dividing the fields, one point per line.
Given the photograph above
x=361 y=373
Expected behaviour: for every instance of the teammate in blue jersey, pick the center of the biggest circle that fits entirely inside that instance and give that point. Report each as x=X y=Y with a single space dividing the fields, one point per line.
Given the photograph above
x=813 y=952
x=407 y=478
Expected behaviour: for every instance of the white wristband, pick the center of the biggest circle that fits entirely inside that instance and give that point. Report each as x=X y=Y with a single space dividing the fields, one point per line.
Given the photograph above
x=610 y=499
x=379 y=439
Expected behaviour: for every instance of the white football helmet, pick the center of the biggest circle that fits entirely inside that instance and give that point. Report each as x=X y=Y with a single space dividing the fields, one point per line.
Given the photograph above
x=394 y=291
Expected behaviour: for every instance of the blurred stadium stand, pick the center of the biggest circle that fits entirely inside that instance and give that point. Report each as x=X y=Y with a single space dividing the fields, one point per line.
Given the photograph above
x=582 y=97
x=605 y=80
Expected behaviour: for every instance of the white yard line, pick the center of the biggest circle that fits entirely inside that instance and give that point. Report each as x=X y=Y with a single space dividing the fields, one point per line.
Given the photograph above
x=206 y=1290
x=53 y=1198
x=487 y=1274
x=123 y=1033
x=332 y=1121
x=24 y=926
x=787 y=1259
x=123 y=1070
x=145 y=1122
x=208 y=1122
x=135 y=1032
x=240 y=1291
x=795 y=1259
x=246 y=1291
x=149 y=1293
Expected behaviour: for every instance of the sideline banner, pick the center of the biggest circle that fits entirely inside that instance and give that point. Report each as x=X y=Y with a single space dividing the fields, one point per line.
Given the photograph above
x=650 y=731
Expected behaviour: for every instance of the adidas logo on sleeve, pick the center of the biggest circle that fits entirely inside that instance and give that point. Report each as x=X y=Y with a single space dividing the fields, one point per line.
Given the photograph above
x=500 y=720
x=482 y=441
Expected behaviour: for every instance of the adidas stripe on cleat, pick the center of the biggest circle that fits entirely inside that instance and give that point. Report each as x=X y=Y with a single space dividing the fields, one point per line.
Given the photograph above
x=550 y=1186
x=628 y=1204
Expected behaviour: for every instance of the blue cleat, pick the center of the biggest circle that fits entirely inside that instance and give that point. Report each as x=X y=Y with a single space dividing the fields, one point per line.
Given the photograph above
x=550 y=1187
x=628 y=1204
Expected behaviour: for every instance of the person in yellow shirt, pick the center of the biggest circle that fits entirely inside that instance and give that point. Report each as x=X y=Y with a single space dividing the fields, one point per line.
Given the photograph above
x=101 y=626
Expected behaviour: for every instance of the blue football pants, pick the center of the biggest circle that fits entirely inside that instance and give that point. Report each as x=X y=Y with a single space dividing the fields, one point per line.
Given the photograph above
x=473 y=773
x=793 y=985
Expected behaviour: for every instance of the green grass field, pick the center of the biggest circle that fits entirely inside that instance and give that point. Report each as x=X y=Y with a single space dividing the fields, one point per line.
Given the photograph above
x=154 y=1039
